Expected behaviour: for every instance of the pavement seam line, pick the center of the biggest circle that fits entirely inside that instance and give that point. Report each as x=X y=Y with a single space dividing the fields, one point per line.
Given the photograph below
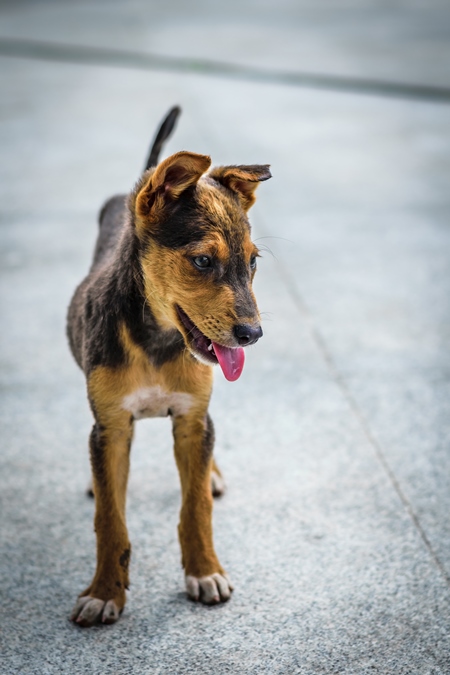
x=357 y=412
x=121 y=58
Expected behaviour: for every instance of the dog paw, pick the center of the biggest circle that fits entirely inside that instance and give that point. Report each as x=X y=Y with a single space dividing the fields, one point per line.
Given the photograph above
x=217 y=484
x=210 y=590
x=89 y=611
x=90 y=489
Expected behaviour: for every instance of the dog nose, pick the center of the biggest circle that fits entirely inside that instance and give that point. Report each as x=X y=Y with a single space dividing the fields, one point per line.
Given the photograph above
x=247 y=335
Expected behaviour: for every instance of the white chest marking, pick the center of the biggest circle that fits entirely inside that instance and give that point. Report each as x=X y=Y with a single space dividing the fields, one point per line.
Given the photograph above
x=155 y=402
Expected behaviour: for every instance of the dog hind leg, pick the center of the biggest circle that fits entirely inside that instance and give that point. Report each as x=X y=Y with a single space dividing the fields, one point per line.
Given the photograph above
x=217 y=481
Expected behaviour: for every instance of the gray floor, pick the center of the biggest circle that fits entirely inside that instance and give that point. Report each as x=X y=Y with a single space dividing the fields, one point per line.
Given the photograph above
x=335 y=441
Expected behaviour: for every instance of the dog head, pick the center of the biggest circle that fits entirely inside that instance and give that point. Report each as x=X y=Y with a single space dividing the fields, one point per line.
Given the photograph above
x=197 y=257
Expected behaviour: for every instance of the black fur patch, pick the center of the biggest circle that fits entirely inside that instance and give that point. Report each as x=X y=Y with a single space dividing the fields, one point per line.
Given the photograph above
x=97 y=448
x=124 y=559
x=183 y=223
x=208 y=439
x=113 y=294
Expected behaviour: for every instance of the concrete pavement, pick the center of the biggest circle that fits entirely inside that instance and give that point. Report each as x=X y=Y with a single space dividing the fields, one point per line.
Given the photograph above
x=335 y=441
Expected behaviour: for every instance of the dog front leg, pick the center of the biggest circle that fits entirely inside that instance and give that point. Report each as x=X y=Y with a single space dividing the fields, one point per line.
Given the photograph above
x=105 y=598
x=205 y=578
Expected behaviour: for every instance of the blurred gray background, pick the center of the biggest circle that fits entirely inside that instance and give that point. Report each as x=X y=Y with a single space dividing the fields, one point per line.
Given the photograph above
x=335 y=441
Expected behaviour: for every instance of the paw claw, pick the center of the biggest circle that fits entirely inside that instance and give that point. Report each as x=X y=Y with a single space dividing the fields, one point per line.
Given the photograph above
x=89 y=611
x=193 y=588
x=224 y=585
x=217 y=484
x=110 y=613
x=80 y=603
x=210 y=590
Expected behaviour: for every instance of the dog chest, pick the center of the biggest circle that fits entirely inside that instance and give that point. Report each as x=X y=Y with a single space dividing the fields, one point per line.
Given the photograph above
x=156 y=402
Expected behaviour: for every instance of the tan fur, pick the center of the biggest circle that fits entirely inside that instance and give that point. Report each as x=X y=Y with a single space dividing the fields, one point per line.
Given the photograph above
x=211 y=309
x=169 y=276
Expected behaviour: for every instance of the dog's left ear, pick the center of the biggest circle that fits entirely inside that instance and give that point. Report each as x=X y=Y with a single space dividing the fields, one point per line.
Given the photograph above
x=243 y=180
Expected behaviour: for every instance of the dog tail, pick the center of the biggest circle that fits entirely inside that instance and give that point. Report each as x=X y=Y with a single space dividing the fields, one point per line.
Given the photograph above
x=165 y=130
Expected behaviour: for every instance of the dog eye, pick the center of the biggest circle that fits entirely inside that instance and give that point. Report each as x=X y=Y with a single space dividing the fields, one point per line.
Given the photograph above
x=202 y=262
x=253 y=262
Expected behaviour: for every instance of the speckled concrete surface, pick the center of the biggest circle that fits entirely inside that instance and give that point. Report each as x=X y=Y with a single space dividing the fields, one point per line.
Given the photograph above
x=335 y=441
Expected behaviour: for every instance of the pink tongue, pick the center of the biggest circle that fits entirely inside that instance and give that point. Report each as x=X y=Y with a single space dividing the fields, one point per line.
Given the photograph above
x=230 y=360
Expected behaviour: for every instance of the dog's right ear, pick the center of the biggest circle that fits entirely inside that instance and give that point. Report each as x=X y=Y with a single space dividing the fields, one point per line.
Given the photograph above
x=167 y=182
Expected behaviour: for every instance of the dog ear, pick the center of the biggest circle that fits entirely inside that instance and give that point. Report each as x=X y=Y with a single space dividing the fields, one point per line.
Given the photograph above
x=168 y=181
x=243 y=180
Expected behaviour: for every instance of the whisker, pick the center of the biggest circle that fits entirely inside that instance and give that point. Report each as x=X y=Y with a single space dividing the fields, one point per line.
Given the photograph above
x=267 y=250
x=147 y=299
x=273 y=237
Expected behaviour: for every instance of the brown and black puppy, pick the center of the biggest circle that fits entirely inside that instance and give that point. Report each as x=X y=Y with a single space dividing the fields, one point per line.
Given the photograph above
x=168 y=295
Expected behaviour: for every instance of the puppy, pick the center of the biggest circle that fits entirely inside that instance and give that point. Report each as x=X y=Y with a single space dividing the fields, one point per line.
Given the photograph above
x=169 y=295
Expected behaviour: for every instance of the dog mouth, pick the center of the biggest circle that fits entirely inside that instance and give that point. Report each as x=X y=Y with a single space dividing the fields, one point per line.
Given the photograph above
x=231 y=360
